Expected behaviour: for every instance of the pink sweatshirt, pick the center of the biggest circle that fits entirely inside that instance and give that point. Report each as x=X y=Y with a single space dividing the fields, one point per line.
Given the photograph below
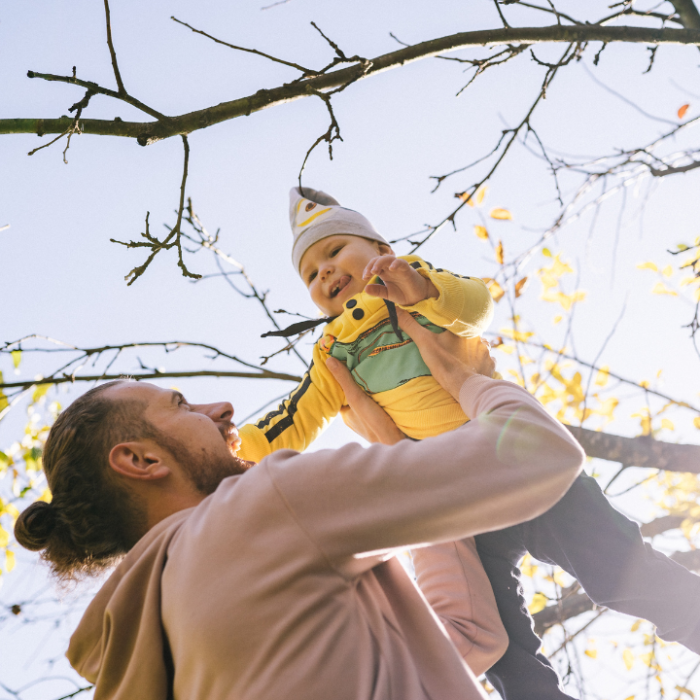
x=281 y=584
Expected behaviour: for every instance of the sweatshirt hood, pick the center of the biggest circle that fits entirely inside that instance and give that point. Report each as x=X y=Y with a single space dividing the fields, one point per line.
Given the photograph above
x=120 y=644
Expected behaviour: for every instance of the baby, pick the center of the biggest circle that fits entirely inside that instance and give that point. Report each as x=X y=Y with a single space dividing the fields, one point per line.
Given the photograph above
x=355 y=279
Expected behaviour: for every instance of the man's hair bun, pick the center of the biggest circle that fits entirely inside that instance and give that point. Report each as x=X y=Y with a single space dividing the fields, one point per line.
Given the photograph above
x=35 y=526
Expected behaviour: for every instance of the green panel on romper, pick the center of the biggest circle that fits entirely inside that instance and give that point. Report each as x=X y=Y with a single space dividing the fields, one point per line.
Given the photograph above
x=379 y=361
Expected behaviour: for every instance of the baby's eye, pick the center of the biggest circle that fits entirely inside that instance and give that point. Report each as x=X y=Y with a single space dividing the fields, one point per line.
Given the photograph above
x=335 y=251
x=312 y=277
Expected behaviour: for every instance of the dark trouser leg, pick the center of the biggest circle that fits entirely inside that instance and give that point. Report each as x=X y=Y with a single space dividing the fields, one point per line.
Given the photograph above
x=605 y=551
x=522 y=673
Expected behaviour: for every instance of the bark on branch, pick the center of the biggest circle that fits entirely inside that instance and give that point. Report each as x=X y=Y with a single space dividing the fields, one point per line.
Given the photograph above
x=150 y=132
x=690 y=17
x=638 y=451
x=263 y=374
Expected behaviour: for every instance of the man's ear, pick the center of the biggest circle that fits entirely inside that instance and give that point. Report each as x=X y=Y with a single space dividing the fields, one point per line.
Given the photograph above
x=385 y=249
x=136 y=460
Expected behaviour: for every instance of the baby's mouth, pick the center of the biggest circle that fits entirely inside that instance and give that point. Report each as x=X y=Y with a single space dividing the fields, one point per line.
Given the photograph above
x=338 y=286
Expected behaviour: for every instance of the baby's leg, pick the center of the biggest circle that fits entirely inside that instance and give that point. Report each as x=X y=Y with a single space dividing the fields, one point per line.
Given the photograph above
x=522 y=673
x=605 y=551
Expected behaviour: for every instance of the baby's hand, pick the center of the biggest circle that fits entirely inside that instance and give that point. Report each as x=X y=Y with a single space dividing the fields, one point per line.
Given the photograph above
x=404 y=285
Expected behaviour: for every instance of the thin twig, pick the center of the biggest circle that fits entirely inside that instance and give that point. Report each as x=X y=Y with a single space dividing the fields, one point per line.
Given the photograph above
x=305 y=71
x=112 y=52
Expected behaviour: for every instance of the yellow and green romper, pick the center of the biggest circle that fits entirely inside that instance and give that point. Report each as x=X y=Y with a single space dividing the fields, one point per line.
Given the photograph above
x=389 y=369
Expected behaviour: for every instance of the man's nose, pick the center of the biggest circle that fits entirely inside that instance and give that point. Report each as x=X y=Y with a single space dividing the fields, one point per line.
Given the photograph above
x=221 y=411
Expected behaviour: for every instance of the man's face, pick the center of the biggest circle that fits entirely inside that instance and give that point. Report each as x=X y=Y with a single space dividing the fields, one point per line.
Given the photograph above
x=201 y=437
x=332 y=270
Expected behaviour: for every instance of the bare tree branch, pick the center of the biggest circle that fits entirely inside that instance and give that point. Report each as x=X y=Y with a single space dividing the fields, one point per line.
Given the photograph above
x=642 y=451
x=661 y=525
x=172 y=240
x=263 y=374
x=149 y=132
x=305 y=71
x=112 y=52
x=690 y=17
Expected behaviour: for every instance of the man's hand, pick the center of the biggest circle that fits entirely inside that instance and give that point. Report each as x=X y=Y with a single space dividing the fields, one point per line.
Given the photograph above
x=402 y=284
x=362 y=414
x=450 y=359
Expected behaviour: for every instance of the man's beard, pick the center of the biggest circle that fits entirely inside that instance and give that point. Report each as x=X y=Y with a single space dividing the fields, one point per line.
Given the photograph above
x=207 y=471
x=204 y=470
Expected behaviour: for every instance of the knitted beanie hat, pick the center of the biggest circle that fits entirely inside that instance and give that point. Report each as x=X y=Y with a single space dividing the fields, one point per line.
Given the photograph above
x=315 y=215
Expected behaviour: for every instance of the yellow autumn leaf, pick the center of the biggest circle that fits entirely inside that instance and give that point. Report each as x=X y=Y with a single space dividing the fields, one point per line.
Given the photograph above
x=644 y=383
x=520 y=336
x=4 y=537
x=565 y=300
x=502 y=214
x=696 y=422
x=661 y=288
x=636 y=625
x=494 y=288
x=465 y=197
x=499 y=253
x=688 y=280
x=607 y=408
x=546 y=252
x=45 y=496
x=602 y=376
x=628 y=659
x=481 y=232
x=480 y=194
x=11 y=510
x=557 y=319
x=527 y=568
x=647 y=658
x=591 y=652
x=667 y=424
x=539 y=602
x=631 y=697
x=667 y=271
x=520 y=287
x=682 y=110
x=647 y=266
x=560 y=578
x=509 y=350
x=696 y=295
x=683 y=689
x=9 y=560
x=40 y=391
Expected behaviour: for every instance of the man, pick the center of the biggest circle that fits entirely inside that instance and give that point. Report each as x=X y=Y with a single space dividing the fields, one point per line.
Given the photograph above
x=278 y=581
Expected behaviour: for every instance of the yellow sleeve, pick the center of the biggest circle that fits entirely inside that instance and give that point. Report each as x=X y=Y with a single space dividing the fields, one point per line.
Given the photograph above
x=464 y=305
x=299 y=419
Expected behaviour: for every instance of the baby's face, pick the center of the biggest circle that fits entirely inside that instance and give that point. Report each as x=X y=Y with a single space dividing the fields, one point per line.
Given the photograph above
x=332 y=269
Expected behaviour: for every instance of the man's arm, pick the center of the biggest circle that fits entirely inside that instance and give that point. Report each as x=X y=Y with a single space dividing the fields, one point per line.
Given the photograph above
x=510 y=463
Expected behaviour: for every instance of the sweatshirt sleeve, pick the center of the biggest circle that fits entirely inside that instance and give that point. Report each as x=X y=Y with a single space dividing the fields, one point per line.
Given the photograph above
x=464 y=305
x=453 y=581
x=299 y=419
x=509 y=464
